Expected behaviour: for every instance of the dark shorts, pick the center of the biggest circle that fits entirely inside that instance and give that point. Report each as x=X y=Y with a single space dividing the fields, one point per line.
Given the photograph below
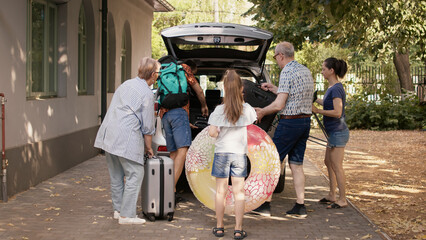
x=225 y=164
x=338 y=138
x=177 y=130
x=290 y=139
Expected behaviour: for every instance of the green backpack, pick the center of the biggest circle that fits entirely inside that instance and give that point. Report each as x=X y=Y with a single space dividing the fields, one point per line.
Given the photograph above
x=172 y=86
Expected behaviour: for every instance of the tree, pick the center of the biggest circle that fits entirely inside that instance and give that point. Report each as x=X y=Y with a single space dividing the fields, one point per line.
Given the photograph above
x=387 y=29
x=185 y=12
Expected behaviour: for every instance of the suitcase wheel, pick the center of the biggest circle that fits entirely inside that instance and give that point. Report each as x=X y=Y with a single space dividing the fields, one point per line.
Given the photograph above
x=169 y=217
x=150 y=216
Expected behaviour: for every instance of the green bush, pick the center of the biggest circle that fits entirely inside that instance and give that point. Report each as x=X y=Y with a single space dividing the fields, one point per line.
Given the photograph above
x=387 y=114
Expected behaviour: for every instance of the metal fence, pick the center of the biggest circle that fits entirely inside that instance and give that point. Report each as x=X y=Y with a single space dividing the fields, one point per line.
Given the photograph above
x=373 y=81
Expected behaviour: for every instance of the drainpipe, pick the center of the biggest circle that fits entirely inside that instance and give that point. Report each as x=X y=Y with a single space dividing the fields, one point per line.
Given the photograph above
x=3 y=155
x=104 y=58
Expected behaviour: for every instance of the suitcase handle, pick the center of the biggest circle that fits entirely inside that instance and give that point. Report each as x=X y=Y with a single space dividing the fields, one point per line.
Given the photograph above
x=146 y=157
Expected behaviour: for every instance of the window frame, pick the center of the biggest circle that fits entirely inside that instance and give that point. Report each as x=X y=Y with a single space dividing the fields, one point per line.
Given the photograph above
x=123 y=57
x=82 y=52
x=50 y=42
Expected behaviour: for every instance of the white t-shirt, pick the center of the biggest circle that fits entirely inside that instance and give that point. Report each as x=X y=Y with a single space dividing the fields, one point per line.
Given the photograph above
x=232 y=138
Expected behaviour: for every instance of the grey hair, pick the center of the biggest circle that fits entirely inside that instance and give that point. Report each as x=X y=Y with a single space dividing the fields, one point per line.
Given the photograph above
x=285 y=48
x=147 y=66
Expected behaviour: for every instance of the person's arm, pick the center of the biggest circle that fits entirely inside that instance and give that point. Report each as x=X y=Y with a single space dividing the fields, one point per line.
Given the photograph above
x=192 y=81
x=147 y=117
x=148 y=145
x=336 y=112
x=274 y=107
x=269 y=87
x=320 y=101
x=213 y=131
x=200 y=95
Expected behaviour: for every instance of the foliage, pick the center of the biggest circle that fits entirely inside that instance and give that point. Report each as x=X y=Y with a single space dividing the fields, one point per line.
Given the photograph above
x=391 y=113
x=379 y=27
x=194 y=12
x=387 y=29
x=313 y=55
x=211 y=85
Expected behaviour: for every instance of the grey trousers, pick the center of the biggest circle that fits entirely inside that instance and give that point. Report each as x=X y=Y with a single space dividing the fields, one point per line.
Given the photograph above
x=126 y=180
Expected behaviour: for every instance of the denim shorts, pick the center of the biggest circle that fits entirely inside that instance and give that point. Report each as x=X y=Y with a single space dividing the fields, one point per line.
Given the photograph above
x=290 y=139
x=229 y=163
x=176 y=127
x=338 y=138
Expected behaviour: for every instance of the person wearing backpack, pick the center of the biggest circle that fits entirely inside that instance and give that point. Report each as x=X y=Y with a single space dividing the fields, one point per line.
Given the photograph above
x=174 y=114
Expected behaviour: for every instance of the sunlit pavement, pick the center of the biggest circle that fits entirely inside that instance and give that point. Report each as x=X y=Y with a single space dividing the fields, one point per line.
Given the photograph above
x=76 y=205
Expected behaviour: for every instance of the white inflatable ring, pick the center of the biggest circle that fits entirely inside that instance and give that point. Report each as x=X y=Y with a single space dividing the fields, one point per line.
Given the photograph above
x=261 y=182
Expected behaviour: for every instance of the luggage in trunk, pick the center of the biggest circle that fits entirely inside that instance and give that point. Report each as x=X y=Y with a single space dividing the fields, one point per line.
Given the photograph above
x=257 y=97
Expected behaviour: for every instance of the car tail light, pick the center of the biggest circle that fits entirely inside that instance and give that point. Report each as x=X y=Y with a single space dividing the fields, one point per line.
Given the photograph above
x=162 y=149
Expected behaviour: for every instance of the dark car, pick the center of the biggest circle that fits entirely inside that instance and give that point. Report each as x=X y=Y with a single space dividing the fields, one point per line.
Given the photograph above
x=215 y=48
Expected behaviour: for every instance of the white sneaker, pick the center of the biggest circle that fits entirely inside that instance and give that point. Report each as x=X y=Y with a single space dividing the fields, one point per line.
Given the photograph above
x=135 y=220
x=116 y=214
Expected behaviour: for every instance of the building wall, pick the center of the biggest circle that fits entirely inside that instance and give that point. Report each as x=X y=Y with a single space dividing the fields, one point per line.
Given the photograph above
x=47 y=136
x=140 y=27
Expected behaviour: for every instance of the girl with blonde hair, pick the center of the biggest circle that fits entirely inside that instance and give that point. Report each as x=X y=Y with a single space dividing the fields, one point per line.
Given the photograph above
x=228 y=124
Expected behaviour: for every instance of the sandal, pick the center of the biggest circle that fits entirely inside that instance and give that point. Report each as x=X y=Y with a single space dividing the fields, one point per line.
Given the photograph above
x=325 y=201
x=242 y=233
x=217 y=229
x=335 y=205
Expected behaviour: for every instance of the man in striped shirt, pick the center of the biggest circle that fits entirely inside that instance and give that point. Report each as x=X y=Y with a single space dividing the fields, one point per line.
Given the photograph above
x=294 y=104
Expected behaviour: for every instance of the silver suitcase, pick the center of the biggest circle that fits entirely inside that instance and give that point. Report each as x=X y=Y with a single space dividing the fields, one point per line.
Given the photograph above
x=158 y=198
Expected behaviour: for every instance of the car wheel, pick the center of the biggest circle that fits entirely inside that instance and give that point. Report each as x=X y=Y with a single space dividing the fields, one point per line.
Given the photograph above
x=281 y=182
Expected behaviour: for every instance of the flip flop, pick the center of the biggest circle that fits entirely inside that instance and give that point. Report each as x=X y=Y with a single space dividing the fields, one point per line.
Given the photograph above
x=335 y=205
x=325 y=201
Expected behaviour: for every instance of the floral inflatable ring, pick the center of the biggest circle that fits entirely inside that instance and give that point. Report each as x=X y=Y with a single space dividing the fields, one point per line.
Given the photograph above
x=259 y=185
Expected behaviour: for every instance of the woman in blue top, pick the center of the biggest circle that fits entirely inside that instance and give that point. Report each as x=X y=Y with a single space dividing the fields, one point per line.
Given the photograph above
x=338 y=133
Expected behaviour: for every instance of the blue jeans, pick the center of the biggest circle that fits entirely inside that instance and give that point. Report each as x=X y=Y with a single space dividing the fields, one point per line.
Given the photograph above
x=229 y=163
x=176 y=126
x=124 y=195
x=290 y=138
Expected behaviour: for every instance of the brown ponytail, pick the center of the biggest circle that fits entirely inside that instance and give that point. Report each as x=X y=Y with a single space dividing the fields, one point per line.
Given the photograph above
x=233 y=99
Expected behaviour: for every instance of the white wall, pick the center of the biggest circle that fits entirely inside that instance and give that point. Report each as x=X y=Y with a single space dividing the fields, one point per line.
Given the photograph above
x=29 y=121
x=140 y=26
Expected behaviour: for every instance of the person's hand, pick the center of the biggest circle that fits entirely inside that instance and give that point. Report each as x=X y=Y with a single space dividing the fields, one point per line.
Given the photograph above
x=259 y=113
x=149 y=152
x=205 y=111
x=315 y=109
x=192 y=126
x=267 y=86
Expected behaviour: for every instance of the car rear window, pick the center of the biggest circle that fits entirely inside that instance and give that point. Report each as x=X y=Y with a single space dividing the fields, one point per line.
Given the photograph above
x=214 y=80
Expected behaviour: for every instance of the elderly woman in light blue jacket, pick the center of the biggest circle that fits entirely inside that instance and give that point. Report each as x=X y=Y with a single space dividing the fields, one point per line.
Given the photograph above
x=125 y=135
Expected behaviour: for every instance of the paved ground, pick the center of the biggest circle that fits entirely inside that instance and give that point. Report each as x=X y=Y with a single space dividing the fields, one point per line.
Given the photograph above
x=76 y=205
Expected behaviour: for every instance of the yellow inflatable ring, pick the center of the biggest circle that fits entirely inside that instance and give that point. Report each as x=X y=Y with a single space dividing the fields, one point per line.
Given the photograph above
x=261 y=182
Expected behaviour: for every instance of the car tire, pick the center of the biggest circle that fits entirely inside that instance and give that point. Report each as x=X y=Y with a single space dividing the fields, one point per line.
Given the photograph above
x=281 y=182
